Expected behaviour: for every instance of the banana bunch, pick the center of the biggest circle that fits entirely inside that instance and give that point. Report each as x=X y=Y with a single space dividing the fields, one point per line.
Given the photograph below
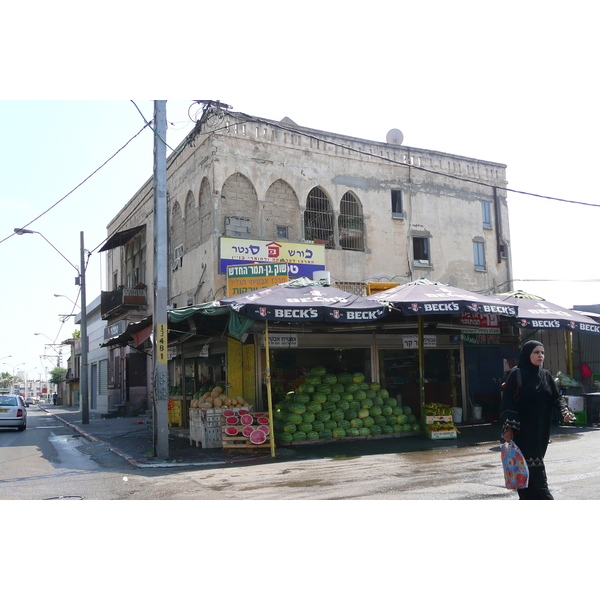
x=441 y=426
x=434 y=409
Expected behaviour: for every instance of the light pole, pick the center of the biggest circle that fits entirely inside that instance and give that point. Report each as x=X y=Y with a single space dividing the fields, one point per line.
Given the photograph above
x=13 y=366
x=80 y=281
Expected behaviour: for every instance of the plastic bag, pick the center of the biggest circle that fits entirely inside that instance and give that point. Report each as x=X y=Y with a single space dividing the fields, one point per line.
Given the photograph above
x=516 y=471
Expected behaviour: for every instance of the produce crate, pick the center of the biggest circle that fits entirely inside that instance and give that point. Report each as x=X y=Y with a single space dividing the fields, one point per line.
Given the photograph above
x=429 y=419
x=241 y=443
x=176 y=414
x=205 y=429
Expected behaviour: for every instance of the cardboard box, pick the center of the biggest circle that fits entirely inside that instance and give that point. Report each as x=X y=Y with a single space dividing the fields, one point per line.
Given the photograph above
x=575 y=403
x=442 y=435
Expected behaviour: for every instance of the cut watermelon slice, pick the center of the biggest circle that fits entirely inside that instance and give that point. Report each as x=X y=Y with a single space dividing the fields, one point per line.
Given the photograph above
x=243 y=411
x=248 y=431
x=228 y=413
x=246 y=419
x=258 y=437
x=231 y=420
x=260 y=414
x=264 y=428
x=231 y=430
x=263 y=420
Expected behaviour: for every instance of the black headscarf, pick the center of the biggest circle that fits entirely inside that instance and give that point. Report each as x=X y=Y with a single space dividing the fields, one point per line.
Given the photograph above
x=531 y=374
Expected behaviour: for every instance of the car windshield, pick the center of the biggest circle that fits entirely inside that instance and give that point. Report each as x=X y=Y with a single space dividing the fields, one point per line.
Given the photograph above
x=8 y=401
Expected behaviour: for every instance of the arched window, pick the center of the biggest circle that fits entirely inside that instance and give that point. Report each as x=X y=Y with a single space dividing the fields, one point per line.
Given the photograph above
x=318 y=218
x=177 y=237
x=351 y=223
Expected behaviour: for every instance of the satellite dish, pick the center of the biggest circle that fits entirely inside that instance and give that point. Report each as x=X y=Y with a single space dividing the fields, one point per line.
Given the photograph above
x=394 y=136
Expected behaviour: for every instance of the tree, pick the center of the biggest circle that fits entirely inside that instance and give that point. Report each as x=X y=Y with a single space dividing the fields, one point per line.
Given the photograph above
x=7 y=380
x=56 y=375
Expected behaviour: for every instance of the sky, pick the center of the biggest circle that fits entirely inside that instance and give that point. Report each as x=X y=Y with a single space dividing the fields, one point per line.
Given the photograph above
x=512 y=83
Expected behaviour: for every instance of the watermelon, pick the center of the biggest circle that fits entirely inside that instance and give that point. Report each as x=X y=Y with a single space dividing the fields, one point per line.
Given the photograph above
x=337 y=388
x=264 y=428
x=243 y=411
x=338 y=432
x=329 y=406
x=324 y=415
x=298 y=408
x=312 y=435
x=299 y=436
x=364 y=431
x=295 y=418
x=318 y=370
x=358 y=377
x=319 y=397
x=406 y=410
x=308 y=417
x=391 y=402
x=344 y=378
x=374 y=386
x=313 y=379
x=228 y=413
x=289 y=428
x=362 y=413
x=337 y=414
x=367 y=403
x=370 y=394
x=407 y=427
x=397 y=410
x=402 y=419
x=381 y=421
x=258 y=437
x=305 y=388
x=363 y=386
x=416 y=428
x=343 y=405
x=231 y=420
x=397 y=428
x=257 y=415
x=318 y=426
x=343 y=423
x=377 y=401
x=392 y=420
x=324 y=388
x=334 y=397
x=304 y=398
x=305 y=427
x=262 y=420
x=387 y=429
x=412 y=419
x=350 y=414
x=368 y=422
x=247 y=431
x=329 y=378
x=376 y=430
x=386 y=411
x=247 y=419
x=351 y=388
x=285 y=437
x=325 y=433
x=375 y=411
x=355 y=405
x=314 y=407
x=231 y=430
x=351 y=432
x=383 y=394
x=359 y=395
x=330 y=424
x=348 y=396
x=358 y=423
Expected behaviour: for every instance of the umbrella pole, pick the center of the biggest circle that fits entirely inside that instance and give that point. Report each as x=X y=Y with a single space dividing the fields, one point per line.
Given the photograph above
x=568 y=339
x=421 y=367
x=269 y=395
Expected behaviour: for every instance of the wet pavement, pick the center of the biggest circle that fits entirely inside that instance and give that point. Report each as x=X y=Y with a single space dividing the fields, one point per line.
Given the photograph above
x=132 y=439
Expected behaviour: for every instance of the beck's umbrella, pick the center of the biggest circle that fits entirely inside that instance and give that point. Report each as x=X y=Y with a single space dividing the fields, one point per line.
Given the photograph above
x=302 y=300
x=423 y=297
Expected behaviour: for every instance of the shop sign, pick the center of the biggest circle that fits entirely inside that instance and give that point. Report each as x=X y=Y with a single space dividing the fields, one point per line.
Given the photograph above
x=481 y=339
x=480 y=319
x=242 y=279
x=410 y=341
x=284 y=340
x=302 y=259
x=204 y=351
x=115 y=329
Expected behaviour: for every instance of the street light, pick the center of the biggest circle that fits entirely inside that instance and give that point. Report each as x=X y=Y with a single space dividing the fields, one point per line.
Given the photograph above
x=69 y=299
x=8 y=356
x=80 y=281
x=13 y=366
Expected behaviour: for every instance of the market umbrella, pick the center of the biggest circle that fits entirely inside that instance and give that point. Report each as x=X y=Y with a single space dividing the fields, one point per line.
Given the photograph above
x=423 y=297
x=302 y=300
x=537 y=313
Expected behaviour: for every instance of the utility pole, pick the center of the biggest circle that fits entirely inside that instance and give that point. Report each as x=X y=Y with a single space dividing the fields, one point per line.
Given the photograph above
x=85 y=406
x=159 y=317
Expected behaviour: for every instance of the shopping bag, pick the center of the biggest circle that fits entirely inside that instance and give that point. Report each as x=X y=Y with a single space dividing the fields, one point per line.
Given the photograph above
x=516 y=471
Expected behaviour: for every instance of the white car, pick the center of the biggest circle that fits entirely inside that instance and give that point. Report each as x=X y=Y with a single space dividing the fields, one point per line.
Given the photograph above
x=13 y=412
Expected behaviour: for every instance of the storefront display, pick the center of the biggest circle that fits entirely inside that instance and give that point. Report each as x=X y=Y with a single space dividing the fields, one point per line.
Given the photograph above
x=245 y=431
x=438 y=421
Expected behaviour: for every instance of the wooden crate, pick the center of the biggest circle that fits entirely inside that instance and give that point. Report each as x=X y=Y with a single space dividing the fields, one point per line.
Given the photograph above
x=243 y=445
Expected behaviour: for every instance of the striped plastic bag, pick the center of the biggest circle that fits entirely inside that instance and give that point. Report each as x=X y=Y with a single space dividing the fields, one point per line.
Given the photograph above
x=516 y=471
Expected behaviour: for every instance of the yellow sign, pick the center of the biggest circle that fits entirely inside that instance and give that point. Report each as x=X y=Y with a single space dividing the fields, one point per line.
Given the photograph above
x=161 y=343
x=246 y=278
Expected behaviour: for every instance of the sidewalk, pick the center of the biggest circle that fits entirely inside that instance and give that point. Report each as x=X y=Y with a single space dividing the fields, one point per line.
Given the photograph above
x=132 y=439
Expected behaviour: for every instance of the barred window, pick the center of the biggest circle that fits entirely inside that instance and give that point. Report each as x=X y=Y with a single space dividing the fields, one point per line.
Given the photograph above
x=351 y=223
x=318 y=218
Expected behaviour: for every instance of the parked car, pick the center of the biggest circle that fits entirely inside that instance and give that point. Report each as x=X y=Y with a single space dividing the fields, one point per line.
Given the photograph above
x=13 y=412
x=29 y=401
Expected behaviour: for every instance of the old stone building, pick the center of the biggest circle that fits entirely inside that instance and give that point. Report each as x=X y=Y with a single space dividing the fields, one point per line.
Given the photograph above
x=243 y=189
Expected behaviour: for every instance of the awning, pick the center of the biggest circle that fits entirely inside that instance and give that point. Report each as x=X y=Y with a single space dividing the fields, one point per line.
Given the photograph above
x=121 y=237
x=133 y=328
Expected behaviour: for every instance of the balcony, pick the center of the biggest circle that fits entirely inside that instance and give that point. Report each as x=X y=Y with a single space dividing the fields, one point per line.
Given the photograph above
x=121 y=300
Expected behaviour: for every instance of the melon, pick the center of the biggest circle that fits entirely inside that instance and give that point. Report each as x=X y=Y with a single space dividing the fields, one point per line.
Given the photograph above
x=334 y=397
x=319 y=397
x=381 y=420
x=306 y=388
x=406 y=428
x=314 y=407
x=343 y=423
x=228 y=413
x=364 y=431
x=387 y=429
x=397 y=428
x=324 y=388
x=358 y=423
x=375 y=386
x=337 y=415
x=338 y=432
x=337 y=388
x=367 y=403
x=376 y=430
x=298 y=408
x=313 y=379
x=344 y=378
x=351 y=387
x=295 y=418
x=264 y=428
x=329 y=378
x=386 y=410
x=358 y=377
x=363 y=413
x=343 y=405
x=329 y=406
x=352 y=431
x=359 y=395
x=247 y=419
x=368 y=422
x=247 y=431
x=258 y=437
x=244 y=412
x=402 y=419
x=260 y=415
x=285 y=437
x=318 y=426
x=375 y=411
x=308 y=417
x=391 y=402
x=312 y=435
x=305 y=427
x=330 y=424
x=299 y=436
x=303 y=397
x=231 y=430
x=289 y=428
x=318 y=370
x=325 y=434
x=232 y=420
x=262 y=420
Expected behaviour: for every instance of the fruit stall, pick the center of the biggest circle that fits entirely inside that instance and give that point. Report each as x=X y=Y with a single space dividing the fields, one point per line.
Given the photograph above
x=438 y=422
x=334 y=406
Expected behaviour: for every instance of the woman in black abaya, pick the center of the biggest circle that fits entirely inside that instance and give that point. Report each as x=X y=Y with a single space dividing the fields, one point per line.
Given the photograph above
x=526 y=415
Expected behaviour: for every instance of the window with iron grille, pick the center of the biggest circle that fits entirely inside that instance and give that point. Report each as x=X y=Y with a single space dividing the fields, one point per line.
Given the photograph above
x=351 y=223
x=318 y=218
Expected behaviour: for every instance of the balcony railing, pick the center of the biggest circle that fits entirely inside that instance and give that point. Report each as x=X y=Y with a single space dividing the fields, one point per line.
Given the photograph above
x=121 y=300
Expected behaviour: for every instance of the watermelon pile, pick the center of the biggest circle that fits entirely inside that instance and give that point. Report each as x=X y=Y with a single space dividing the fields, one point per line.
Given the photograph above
x=244 y=424
x=339 y=406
